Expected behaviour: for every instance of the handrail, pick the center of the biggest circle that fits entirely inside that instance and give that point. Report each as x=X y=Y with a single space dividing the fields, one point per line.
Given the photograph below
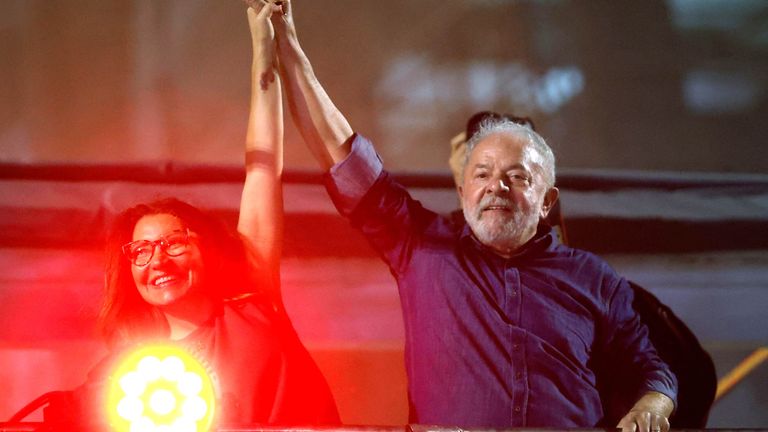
x=175 y=172
x=737 y=374
x=39 y=426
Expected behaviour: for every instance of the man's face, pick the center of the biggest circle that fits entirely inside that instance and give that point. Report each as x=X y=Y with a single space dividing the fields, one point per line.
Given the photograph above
x=504 y=192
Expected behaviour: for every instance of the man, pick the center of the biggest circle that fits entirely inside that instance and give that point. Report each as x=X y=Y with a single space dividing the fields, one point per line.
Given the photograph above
x=505 y=327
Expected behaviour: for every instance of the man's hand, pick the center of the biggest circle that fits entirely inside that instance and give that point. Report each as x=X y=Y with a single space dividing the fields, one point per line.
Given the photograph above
x=324 y=128
x=283 y=22
x=649 y=414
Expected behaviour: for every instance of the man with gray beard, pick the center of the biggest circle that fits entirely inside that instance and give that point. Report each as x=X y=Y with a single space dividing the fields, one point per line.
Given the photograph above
x=507 y=184
x=505 y=326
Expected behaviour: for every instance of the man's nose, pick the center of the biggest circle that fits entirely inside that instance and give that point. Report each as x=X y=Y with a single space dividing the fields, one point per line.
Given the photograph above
x=497 y=186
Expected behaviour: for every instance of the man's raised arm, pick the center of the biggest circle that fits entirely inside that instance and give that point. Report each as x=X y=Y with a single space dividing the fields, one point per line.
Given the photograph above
x=323 y=127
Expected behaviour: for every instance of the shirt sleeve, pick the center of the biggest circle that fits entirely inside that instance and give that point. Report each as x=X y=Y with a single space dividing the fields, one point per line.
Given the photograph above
x=381 y=208
x=631 y=349
x=349 y=180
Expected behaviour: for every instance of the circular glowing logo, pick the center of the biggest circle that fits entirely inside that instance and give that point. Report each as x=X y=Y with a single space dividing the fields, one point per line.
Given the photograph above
x=161 y=389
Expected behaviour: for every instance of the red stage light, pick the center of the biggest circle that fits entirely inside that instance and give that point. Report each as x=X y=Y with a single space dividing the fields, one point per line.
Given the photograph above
x=161 y=389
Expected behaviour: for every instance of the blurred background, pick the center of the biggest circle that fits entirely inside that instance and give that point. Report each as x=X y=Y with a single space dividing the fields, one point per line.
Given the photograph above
x=656 y=111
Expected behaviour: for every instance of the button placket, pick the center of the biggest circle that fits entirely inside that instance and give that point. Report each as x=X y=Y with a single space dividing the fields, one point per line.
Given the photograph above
x=518 y=380
x=512 y=291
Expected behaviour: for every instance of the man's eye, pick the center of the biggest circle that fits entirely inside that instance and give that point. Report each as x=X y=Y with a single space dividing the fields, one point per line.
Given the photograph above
x=481 y=175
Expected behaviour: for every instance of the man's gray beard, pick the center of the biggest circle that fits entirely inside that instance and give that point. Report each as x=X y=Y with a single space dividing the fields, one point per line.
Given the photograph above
x=506 y=236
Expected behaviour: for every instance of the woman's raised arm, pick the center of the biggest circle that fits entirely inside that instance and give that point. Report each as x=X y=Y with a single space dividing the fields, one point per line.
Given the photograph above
x=261 y=205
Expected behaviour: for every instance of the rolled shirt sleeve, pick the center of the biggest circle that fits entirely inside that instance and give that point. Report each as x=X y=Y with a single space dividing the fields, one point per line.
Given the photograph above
x=349 y=180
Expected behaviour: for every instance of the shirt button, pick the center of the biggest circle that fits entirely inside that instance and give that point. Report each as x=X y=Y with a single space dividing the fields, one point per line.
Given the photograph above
x=515 y=347
x=517 y=409
x=513 y=293
x=519 y=375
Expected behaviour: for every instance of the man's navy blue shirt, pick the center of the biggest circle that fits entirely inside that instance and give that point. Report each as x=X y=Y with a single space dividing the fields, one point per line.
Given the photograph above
x=490 y=341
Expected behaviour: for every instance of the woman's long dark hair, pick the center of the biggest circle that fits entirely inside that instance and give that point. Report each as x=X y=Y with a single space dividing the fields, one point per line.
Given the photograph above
x=231 y=269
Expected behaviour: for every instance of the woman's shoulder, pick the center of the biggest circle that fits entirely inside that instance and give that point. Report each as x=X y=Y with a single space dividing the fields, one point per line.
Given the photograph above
x=251 y=305
x=256 y=310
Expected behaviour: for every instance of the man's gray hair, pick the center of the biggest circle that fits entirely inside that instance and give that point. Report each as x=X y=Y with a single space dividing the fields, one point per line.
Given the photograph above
x=493 y=126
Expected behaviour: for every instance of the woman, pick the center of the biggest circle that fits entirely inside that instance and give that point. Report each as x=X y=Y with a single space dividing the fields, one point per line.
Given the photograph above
x=176 y=274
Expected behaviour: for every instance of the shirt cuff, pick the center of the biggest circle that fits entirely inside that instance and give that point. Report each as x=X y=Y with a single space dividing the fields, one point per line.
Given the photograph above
x=350 y=179
x=667 y=389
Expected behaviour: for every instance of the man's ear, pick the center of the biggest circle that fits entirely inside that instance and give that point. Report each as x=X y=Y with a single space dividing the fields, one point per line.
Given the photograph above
x=550 y=198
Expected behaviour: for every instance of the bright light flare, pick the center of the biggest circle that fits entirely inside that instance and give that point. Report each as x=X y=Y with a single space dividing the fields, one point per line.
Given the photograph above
x=162 y=402
x=161 y=389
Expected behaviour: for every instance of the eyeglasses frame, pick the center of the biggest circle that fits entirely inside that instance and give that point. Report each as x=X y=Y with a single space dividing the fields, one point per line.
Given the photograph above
x=162 y=242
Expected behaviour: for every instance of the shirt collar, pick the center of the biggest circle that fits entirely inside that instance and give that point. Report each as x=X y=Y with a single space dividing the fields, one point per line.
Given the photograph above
x=545 y=240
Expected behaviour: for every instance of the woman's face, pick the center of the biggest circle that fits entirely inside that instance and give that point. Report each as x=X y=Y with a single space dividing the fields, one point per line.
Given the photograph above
x=167 y=280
